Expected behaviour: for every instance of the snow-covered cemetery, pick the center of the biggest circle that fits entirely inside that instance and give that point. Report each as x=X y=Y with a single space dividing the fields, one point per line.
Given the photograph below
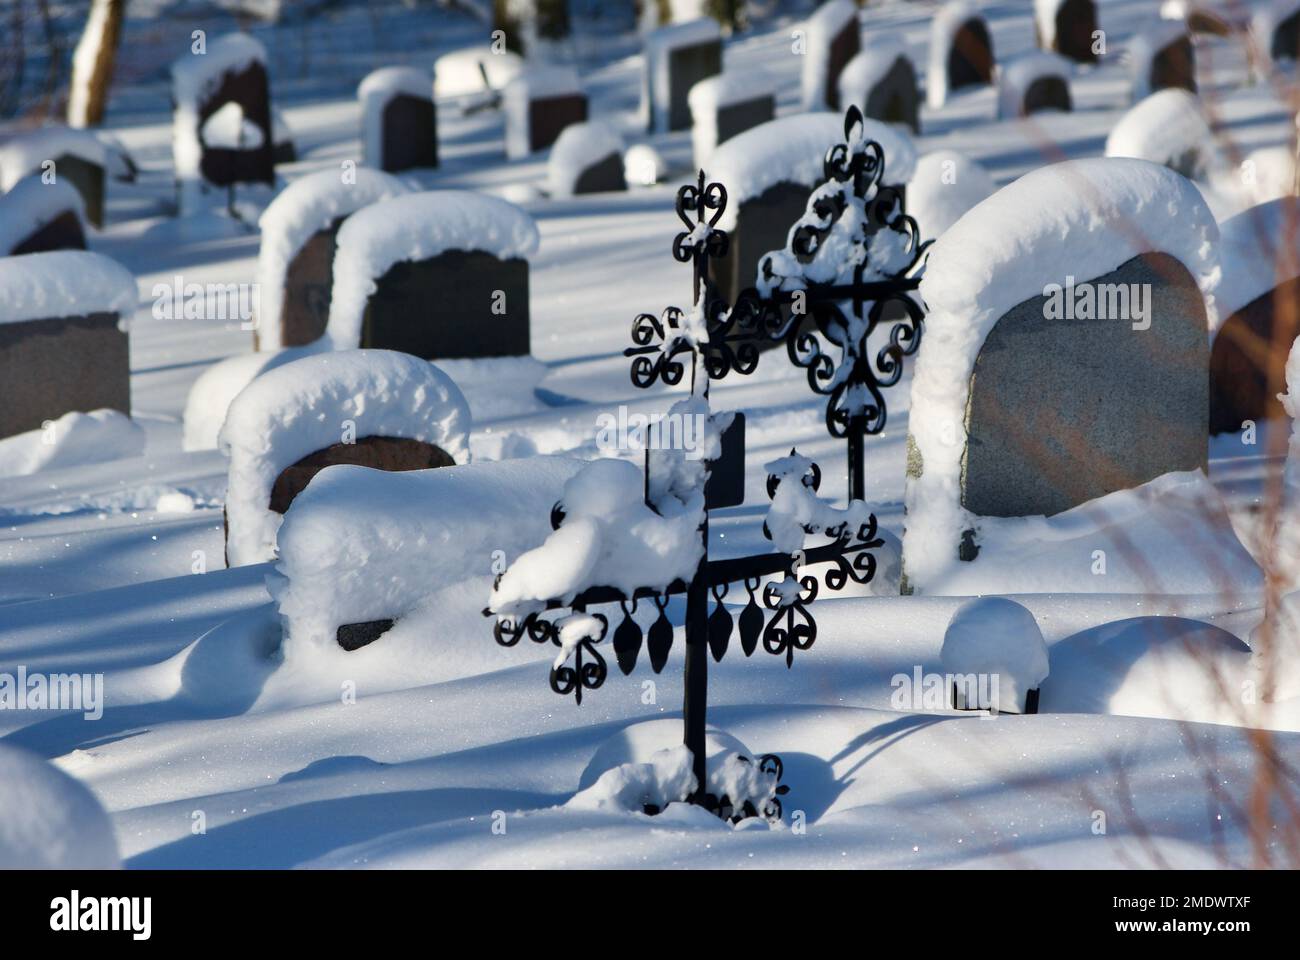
x=655 y=434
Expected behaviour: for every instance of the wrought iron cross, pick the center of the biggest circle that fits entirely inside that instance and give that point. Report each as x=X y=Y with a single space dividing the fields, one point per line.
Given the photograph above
x=662 y=347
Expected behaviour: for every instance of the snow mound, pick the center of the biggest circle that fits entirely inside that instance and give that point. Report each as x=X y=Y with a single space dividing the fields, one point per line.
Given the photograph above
x=24 y=153
x=416 y=226
x=48 y=820
x=1253 y=253
x=210 y=396
x=996 y=637
x=1265 y=174
x=1018 y=75
x=947 y=22
x=819 y=30
x=1146 y=46
x=643 y=165
x=793 y=150
x=579 y=147
x=946 y=184
x=360 y=545
x=536 y=83
x=228 y=129
x=64 y=283
x=302 y=407
x=716 y=93
x=1082 y=218
x=308 y=205
x=75 y=439
x=374 y=93
x=33 y=204
x=460 y=73
x=1168 y=128
x=658 y=45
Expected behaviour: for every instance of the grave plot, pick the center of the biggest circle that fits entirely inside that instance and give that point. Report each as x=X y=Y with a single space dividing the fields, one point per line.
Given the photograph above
x=295 y=260
x=946 y=184
x=37 y=217
x=63 y=337
x=1258 y=303
x=222 y=133
x=440 y=275
x=770 y=172
x=833 y=39
x=1056 y=372
x=961 y=52
x=539 y=104
x=676 y=58
x=399 y=124
x=78 y=157
x=1162 y=56
x=728 y=104
x=1168 y=128
x=587 y=158
x=1033 y=82
x=881 y=82
x=372 y=408
x=993 y=637
x=1067 y=27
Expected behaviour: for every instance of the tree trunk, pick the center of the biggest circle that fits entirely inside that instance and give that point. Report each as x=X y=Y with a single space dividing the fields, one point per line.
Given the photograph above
x=92 y=63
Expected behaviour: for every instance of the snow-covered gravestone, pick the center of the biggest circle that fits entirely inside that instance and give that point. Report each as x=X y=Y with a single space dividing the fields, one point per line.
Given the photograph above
x=1033 y=82
x=222 y=133
x=676 y=59
x=59 y=154
x=399 y=125
x=1258 y=302
x=1067 y=26
x=728 y=104
x=1162 y=56
x=1275 y=28
x=37 y=217
x=994 y=656
x=587 y=158
x=1065 y=353
x=961 y=51
x=770 y=172
x=539 y=104
x=832 y=39
x=881 y=82
x=295 y=261
x=440 y=275
x=63 y=338
x=1169 y=128
x=371 y=408
x=946 y=184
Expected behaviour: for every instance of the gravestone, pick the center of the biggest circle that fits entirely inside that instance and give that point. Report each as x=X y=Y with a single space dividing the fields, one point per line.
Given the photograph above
x=398 y=119
x=1100 y=432
x=539 y=105
x=676 y=59
x=306 y=306
x=881 y=81
x=38 y=217
x=1284 y=44
x=1034 y=82
x=970 y=57
x=77 y=157
x=1163 y=57
x=833 y=39
x=726 y=105
x=1175 y=66
x=587 y=158
x=283 y=149
x=392 y=454
x=1070 y=25
x=63 y=346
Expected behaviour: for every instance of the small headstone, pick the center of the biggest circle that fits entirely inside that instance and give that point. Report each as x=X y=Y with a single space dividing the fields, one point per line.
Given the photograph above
x=832 y=38
x=726 y=105
x=1162 y=57
x=439 y=275
x=1168 y=128
x=1033 y=82
x=222 y=119
x=63 y=339
x=587 y=158
x=295 y=261
x=539 y=104
x=881 y=82
x=1281 y=31
x=676 y=59
x=961 y=51
x=60 y=153
x=398 y=119
x=284 y=149
x=1068 y=27
x=38 y=217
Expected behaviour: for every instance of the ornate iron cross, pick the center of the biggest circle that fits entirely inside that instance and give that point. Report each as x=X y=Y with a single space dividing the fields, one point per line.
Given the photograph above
x=663 y=346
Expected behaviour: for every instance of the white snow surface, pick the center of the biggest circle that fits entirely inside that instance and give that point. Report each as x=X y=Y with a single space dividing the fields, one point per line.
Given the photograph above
x=950 y=18
x=578 y=148
x=228 y=129
x=416 y=226
x=303 y=406
x=374 y=93
x=64 y=283
x=1080 y=218
x=23 y=153
x=74 y=439
x=49 y=820
x=819 y=30
x=460 y=72
x=1016 y=76
x=308 y=205
x=996 y=637
x=32 y=204
x=1167 y=127
x=946 y=184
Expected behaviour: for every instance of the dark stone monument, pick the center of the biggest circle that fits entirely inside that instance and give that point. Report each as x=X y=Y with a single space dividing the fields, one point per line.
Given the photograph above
x=548 y=116
x=1047 y=93
x=63 y=232
x=88 y=178
x=539 y=105
x=894 y=98
x=675 y=65
x=1285 y=42
x=443 y=307
x=762 y=225
x=1075 y=23
x=734 y=118
x=307 y=284
x=410 y=134
x=1248 y=362
x=53 y=366
x=1062 y=411
x=1174 y=65
x=970 y=59
x=392 y=454
x=841 y=47
x=223 y=166
x=603 y=176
